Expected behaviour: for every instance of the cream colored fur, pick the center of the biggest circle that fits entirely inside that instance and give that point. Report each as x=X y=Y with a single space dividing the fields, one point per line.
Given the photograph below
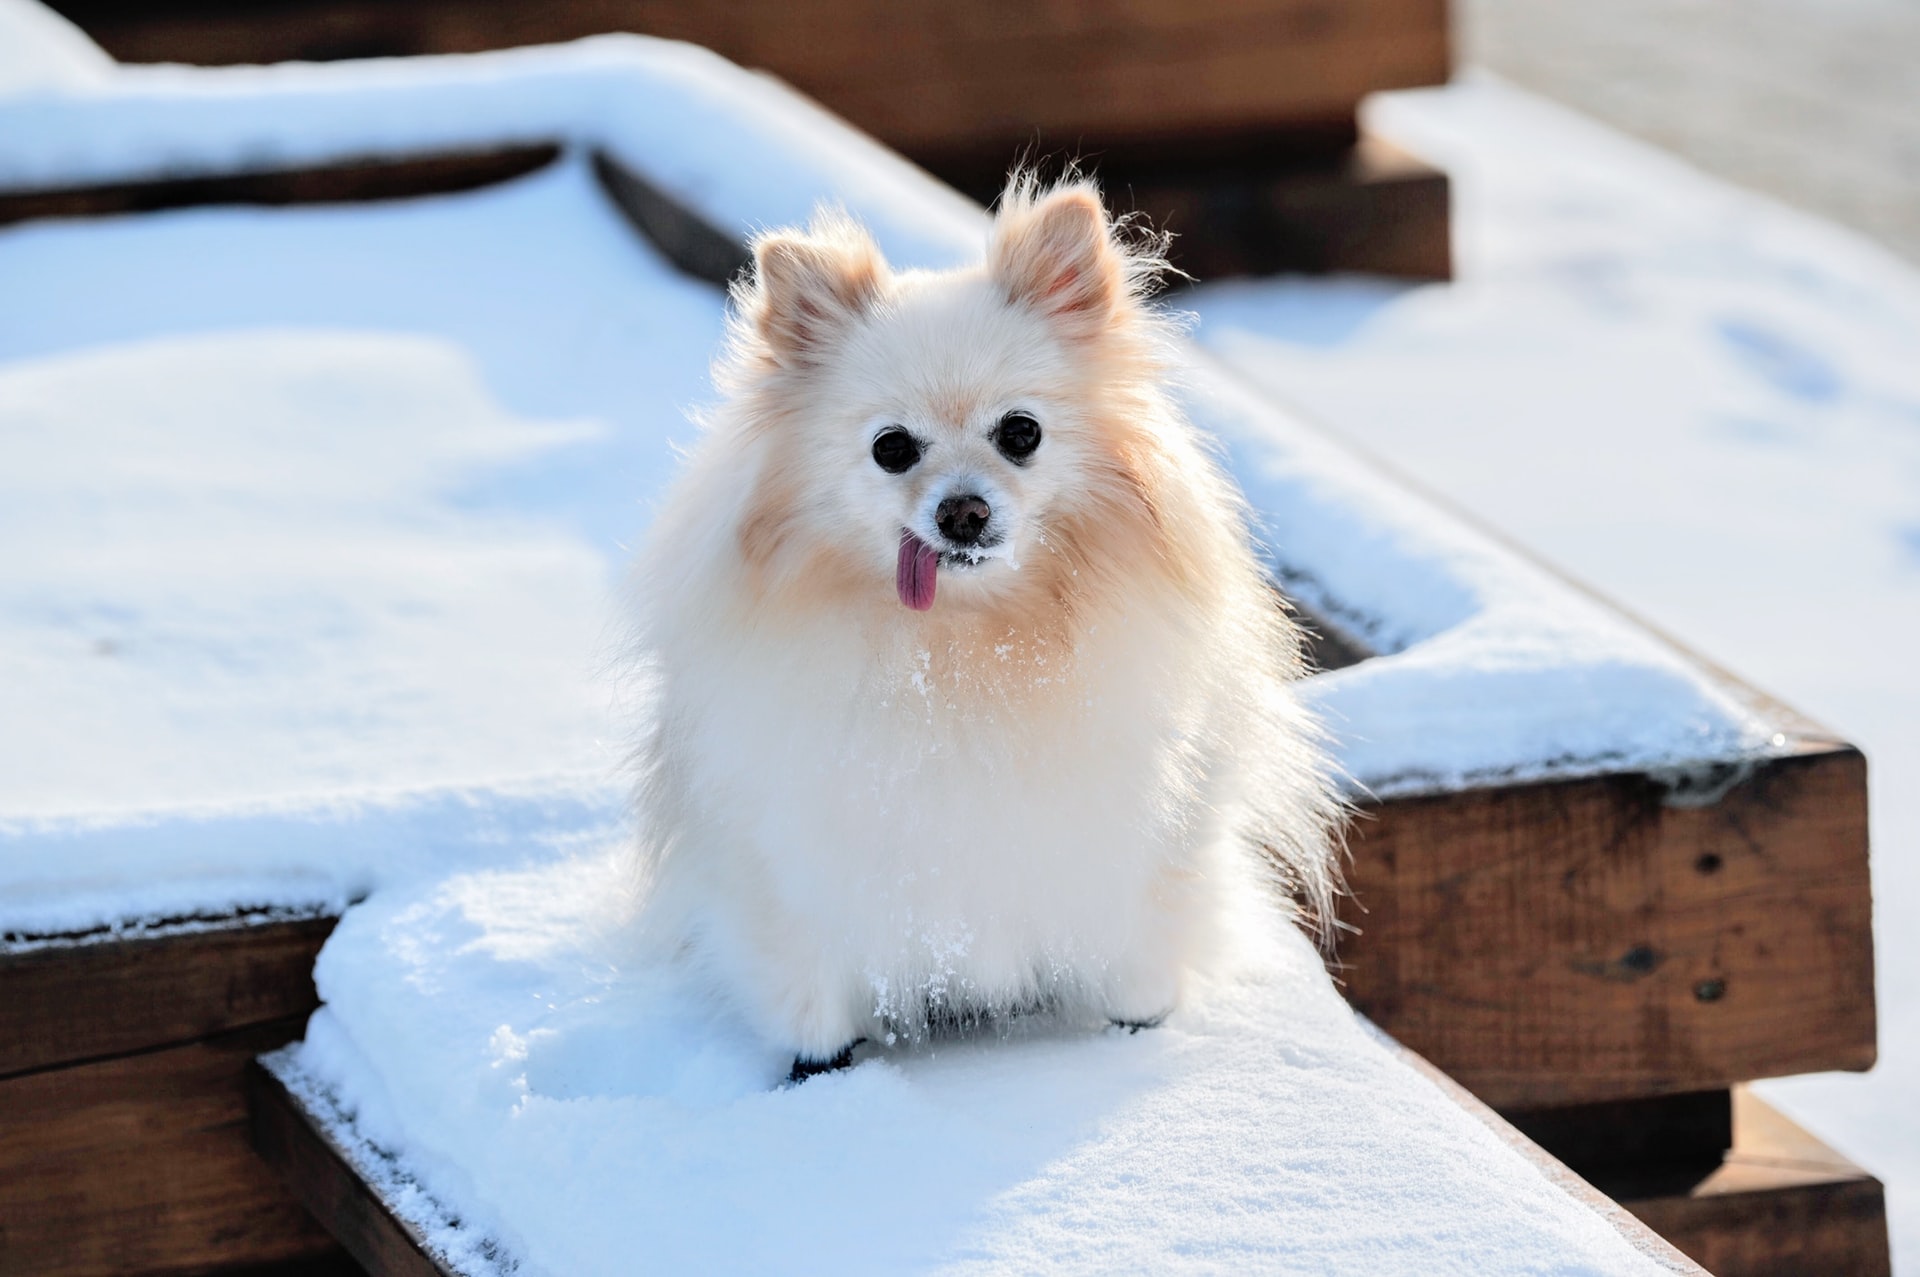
x=1042 y=791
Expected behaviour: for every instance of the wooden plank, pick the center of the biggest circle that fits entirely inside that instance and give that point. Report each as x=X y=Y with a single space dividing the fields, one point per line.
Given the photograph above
x=1782 y=1204
x=1614 y=937
x=922 y=78
x=80 y=998
x=316 y=1168
x=359 y=180
x=141 y=1164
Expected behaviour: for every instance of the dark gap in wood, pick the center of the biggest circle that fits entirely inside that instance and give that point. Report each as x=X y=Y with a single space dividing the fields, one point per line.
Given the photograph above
x=1640 y=1148
x=694 y=245
x=980 y=167
x=1259 y=205
x=346 y=181
x=1325 y=648
x=335 y=1263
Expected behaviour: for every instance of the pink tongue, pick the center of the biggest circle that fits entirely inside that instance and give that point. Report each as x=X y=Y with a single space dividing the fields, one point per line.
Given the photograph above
x=919 y=566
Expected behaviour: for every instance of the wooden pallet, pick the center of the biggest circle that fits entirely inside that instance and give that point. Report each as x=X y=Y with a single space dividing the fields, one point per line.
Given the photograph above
x=1233 y=122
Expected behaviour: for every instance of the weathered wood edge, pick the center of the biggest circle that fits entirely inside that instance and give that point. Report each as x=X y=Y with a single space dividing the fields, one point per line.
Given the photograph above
x=1635 y=1233
x=71 y=999
x=329 y=1178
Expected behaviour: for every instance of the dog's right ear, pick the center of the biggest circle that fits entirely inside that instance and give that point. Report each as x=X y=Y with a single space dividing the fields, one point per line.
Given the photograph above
x=808 y=288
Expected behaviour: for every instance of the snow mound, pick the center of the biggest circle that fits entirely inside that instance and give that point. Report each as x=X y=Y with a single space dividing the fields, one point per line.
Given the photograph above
x=489 y=1034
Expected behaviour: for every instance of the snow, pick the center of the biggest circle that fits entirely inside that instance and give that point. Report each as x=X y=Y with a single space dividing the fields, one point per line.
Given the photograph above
x=671 y=111
x=323 y=524
x=565 y=1108
x=40 y=49
x=1705 y=405
x=325 y=503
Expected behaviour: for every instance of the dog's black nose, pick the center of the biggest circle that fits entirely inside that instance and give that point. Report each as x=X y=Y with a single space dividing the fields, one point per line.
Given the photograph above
x=963 y=519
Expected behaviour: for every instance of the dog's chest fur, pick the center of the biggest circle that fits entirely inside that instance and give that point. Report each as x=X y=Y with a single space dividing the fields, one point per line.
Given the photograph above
x=954 y=802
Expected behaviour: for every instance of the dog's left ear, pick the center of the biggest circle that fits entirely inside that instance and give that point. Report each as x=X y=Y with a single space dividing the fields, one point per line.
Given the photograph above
x=1058 y=256
x=810 y=287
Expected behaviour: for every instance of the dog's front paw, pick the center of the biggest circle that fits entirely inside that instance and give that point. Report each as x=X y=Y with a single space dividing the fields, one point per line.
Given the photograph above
x=804 y=1068
x=1134 y=1026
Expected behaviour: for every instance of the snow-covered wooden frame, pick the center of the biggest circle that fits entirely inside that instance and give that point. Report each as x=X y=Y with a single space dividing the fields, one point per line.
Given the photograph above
x=1589 y=866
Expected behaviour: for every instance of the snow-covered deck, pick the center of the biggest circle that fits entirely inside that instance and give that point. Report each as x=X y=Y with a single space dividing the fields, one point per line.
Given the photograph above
x=326 y=506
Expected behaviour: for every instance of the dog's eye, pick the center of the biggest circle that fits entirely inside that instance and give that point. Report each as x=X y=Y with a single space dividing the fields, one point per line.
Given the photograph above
x=896 y=451
x=1017 y=435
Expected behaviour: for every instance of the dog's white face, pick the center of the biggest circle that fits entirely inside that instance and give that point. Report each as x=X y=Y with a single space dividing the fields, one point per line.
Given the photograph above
x=945 y=430
x=933 y=430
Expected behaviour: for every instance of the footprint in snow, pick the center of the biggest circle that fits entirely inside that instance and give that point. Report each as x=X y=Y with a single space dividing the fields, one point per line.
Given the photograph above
x=1780 y=361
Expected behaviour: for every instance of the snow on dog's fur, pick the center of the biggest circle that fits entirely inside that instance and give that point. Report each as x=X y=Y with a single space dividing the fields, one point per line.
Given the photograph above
x=967 y=693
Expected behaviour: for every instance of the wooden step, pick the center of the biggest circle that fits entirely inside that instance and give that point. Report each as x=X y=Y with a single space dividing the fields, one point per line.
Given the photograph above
x=1729 y=1180
x=1612 y=937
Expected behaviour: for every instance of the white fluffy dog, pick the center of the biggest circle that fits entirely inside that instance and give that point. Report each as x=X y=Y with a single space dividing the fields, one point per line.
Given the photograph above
x=967 y=692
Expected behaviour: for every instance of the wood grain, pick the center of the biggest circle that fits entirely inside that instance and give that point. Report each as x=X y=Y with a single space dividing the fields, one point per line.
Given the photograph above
x=142 y=1164
x=920 y=77
x=1590 y=940
x=86 y=997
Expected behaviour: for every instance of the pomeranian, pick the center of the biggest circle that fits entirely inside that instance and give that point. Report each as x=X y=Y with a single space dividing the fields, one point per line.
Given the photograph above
x=967 y=693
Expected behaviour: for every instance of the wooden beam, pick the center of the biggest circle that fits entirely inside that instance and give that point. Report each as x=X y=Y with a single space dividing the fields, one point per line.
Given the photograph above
x=141 y=1164
x=317 y=1169
x=82 y=997
x=1781 y=1204
x=924 y=78
x=1617 y=937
